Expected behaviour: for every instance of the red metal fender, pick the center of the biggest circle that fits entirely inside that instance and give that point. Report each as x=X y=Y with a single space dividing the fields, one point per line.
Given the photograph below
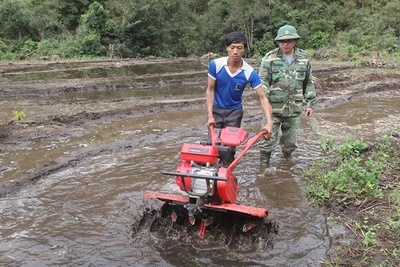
x=252 y=211
x=227 y=190
x=257 y=212
x=167 y=197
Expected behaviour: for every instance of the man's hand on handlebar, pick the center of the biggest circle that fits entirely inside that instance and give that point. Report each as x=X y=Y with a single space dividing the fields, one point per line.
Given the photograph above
x=211 y=122
x=268 y=131
x=267 y=135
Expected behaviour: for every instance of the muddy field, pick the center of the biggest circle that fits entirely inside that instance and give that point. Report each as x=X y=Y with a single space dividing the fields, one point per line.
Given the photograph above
x=24 y=79
x=64 y=101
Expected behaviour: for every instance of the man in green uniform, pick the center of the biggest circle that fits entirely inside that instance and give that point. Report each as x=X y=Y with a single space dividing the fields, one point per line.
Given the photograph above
x=286 y=75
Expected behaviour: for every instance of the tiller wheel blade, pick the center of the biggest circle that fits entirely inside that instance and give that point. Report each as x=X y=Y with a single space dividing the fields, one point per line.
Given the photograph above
x=248 y=226
x=192 y=211
x=203 y=225
x=202 y=231
x=173 y=216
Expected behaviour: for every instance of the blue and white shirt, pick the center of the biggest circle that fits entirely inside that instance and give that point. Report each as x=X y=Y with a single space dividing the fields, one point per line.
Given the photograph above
x=229 y=86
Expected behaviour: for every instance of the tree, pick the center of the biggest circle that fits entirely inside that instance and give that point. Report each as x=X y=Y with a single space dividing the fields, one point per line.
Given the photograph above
x=95 y=19
x=14 y=20
x=46 y=23
x=140 y=29
x=249 y=17
x=175 y=28
x=70 y=11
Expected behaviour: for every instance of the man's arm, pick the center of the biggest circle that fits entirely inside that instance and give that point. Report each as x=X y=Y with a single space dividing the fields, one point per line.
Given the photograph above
x=210 y=92
x=263 y=91
x=265 y=75
x=309 y=91
x=266 y=108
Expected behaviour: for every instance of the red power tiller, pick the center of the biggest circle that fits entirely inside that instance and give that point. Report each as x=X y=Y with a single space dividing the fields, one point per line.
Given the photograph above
x=208 y=183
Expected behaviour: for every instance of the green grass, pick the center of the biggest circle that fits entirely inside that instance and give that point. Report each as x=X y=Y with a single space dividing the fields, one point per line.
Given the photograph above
x=19 y=115
x=364 y=181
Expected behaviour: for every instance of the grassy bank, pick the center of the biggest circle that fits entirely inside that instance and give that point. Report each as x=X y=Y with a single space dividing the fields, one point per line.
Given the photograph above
x=358 y=185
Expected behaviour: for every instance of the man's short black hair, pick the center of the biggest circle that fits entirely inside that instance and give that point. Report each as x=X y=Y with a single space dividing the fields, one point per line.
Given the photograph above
x=235 y=38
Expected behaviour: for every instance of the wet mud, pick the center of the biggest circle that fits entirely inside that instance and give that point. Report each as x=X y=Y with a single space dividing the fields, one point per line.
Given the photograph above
x=334 y=85
x=133 y=96
x=230 y=230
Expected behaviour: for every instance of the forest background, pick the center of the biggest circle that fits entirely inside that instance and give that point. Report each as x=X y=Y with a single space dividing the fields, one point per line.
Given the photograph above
x=78 y=29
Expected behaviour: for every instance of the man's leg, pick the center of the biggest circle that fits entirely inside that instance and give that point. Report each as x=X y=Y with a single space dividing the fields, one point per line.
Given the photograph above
x=218 y=114
x=266 y=147
x=224 y=118
x=288 y=141
x=233 y=118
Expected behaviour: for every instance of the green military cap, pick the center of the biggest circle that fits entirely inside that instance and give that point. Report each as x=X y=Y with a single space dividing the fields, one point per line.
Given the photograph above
x=287 y=32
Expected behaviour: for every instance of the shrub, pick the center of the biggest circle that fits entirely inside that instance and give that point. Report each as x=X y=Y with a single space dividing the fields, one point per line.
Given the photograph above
x=318 y=40
x=90 y=45
x=47 y=47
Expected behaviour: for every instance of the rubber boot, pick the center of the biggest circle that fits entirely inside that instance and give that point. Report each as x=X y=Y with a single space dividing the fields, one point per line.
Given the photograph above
x=286 y=155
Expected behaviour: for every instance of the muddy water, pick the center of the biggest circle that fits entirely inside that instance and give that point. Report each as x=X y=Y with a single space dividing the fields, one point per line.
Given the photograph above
x=81 y=216
x=84 y=70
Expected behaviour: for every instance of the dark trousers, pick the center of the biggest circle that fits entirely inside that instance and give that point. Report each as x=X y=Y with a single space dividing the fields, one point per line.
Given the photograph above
x=224 y=118
x=289 y=127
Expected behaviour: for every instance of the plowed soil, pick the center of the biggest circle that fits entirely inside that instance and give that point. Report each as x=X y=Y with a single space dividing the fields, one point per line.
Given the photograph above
x=334 y=85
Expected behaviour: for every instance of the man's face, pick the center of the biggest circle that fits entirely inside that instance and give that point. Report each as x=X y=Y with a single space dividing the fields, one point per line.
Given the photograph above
x=287 y=46
x=235 y=51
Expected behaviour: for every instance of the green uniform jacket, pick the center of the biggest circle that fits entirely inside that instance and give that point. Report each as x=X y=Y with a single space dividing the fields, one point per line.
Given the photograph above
x=288 y=85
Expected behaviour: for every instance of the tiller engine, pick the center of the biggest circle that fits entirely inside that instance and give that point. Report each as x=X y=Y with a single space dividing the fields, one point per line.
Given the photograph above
x=205 y=177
